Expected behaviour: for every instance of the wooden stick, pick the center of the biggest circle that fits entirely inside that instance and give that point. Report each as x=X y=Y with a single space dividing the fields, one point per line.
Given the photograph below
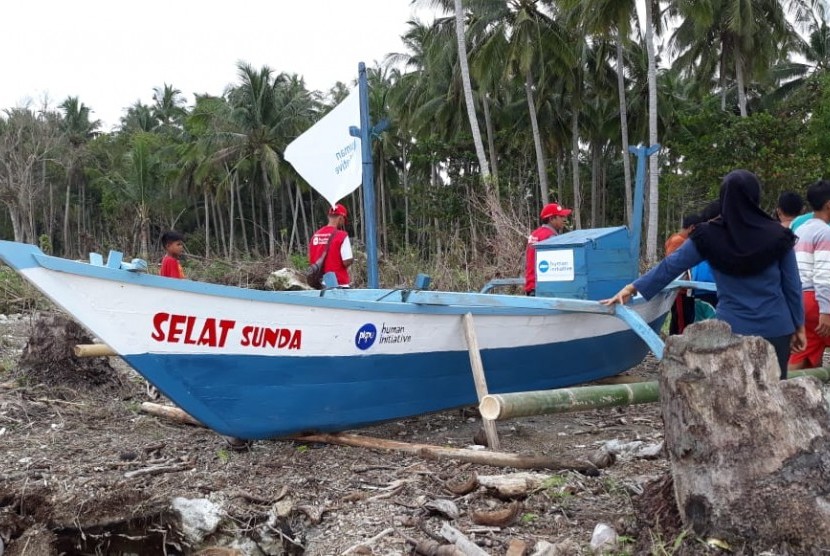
x=93 y=350
x=458 y=538
x=368 y=542
x=170 y=412
x=480 y=381
x=496 y=459
x=155 y=470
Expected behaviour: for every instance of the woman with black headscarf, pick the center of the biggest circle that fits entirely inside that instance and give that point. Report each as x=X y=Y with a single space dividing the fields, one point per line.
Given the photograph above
x=753 y=262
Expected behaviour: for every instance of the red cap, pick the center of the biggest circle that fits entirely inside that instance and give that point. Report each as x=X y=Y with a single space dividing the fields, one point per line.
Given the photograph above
x=554 y=209
x=338 y=210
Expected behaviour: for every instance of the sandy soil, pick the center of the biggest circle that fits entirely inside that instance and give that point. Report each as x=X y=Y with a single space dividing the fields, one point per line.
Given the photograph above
x=84 y=471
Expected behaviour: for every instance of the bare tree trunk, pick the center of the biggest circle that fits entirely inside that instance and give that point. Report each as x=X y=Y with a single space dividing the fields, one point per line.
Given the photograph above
x=653 y=168
x=461 y=41
x=306 y=232
x=624 y=127
x=272 y=242
x=256 y=219
x=231 y=215
x=207 y=224
x=66 y=247
x=405 y=196
x=14 y=217
x=295 y=209
x=541 y=163
x=595 y=201
x=575 y=169
x=739 y=82
x=242 y=228
x=383 y=201
x=491 y=141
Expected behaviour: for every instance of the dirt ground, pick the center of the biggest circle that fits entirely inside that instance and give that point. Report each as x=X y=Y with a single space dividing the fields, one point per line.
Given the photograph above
x=84 y=471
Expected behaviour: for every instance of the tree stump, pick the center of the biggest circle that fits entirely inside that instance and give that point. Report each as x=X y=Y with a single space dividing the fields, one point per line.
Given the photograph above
x=750 y=454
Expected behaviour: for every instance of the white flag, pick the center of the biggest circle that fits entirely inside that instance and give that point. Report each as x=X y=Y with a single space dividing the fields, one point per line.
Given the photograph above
x=326 y=156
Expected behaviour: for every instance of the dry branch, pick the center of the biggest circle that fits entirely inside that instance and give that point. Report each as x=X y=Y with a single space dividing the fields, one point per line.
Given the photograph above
x=496 y=459
x=172 y=413
x=368 y=542
x=155 y=470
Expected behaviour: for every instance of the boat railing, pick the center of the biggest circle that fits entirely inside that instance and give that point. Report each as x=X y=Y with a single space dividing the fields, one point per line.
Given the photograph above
x=693 y=285
x=501 y=283
x=115 y=260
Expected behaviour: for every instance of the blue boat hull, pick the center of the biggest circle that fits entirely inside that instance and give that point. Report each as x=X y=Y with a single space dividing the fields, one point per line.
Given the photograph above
x=338 y=393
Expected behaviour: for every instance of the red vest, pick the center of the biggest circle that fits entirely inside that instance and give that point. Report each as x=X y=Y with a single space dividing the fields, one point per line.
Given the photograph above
x=539 y=234
x=334 y=262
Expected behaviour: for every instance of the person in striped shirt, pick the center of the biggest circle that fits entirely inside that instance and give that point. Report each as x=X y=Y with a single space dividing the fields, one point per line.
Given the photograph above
x=812 y=253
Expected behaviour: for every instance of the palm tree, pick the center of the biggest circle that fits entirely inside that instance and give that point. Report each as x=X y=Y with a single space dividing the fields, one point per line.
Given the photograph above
x=78 y=129
x=139 y=117
x=139 y=183
x=168 y=107
x=740 y=38
x=267 y=112
x=603 y=17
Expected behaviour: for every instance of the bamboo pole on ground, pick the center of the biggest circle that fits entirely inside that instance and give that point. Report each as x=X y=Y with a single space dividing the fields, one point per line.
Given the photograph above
x=582 y=398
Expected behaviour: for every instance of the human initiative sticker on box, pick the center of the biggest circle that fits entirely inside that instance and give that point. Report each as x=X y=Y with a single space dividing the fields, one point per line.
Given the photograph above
x=555 y=266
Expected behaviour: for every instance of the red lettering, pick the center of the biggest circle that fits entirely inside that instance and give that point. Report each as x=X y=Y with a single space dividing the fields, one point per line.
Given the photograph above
x=188 y=339
x=208 y=336
x=176 y=322
x=271 y=337
x=296 y=340
x=245 y=331
x=158 y=320
x=226 y=326
x=285 y=335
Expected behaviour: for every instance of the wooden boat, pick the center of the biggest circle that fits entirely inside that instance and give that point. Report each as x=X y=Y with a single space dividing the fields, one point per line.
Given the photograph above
x=259 y=364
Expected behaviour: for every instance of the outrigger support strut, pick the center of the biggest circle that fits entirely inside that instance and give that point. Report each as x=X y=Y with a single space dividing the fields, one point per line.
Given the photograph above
x=641 y=327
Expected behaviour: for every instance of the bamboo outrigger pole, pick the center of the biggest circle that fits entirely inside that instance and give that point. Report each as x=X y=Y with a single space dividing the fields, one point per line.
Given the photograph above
x=582 y=398
x=93 y=350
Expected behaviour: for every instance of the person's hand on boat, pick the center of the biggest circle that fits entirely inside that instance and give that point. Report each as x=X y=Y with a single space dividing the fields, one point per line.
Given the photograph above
x=622 y=297
x=798 y=341
x=823 y=328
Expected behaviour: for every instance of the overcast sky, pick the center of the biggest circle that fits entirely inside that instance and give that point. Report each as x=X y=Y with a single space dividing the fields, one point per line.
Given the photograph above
x=111 y=53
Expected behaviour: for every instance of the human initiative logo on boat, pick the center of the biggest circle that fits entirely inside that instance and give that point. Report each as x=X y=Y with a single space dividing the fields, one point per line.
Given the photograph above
x=365 y=337
x=389 y=334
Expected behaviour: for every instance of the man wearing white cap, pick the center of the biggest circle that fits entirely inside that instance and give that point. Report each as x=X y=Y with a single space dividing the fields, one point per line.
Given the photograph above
x=553 y=217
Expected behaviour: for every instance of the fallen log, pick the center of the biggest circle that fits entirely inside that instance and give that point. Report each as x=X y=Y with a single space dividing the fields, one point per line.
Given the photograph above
x=496 y=459
x=583 y=398
x=93 y=350
x=749 y=453
x=169 y=412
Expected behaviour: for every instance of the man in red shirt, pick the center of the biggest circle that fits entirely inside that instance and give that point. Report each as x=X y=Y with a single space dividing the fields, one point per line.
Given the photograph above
x=339 y=255
x=553 y=217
